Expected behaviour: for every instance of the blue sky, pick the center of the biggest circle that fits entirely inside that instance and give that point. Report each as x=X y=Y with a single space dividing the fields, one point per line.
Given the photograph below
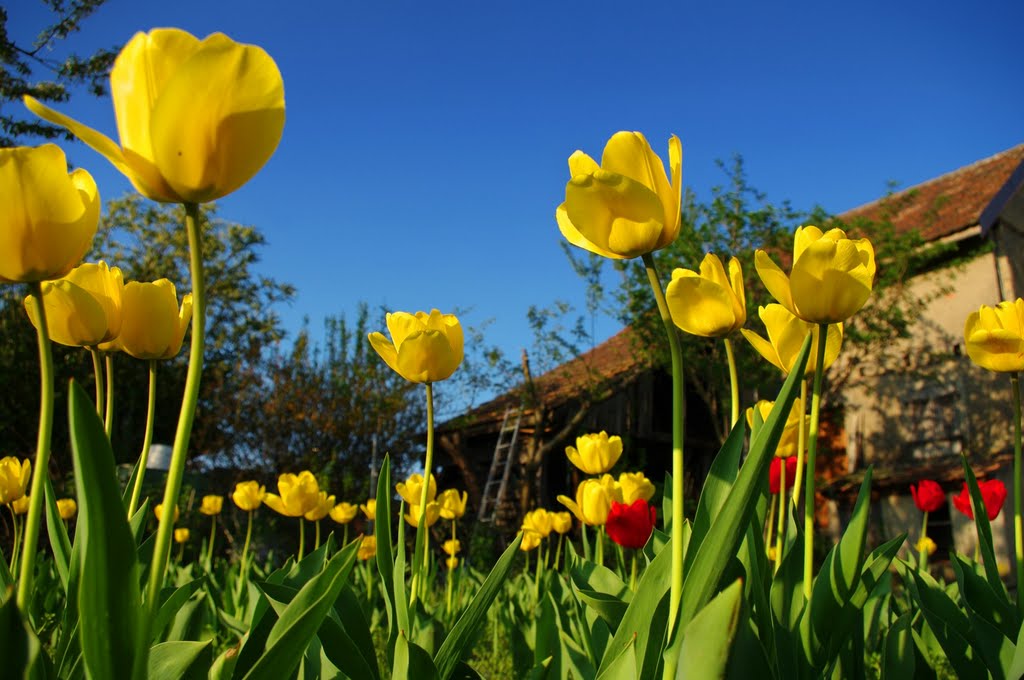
x=425 y=145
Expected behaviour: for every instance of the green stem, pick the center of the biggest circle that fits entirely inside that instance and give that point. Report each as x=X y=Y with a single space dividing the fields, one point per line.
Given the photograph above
x=812 y=450
x=923 y=561
x=422 y=530
x=599 y=551
x=632 y=574
x=536 y=579
x=108 y=422
x=344 y=535
x=771 y=519
x=16 y=534
x=302 y=538
x=42 y=461
x=675 y=350
x=179 y=453
x=316 y=543
x=1018 y=527
x=781 y=531
x=147 y=440
x=734 y=383
x=213 y=535
x=97 y=373
x=558 y=552
x=801 y=442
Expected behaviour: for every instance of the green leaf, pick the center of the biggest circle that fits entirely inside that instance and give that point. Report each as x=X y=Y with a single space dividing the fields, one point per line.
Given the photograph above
x=1016 y=667
x=184 y=660
x=137 y=523
x=721 y=477
x=984 y=531
x=397 y=577
x=354 y=624
x=982 y=602
x=622 y=662
x=898 y=659
x=58 y=533
x=458 y=642
x=108 y=596
x=223 y=667
x=171 y=601
x=385 y=558
x=707 y=639
x=988 y=638
x=14 y=646
x=411 y=662
x=600 y=589
x=343 y=652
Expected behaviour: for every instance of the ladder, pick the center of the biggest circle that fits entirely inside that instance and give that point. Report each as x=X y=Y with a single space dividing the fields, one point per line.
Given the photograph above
x=501 y=465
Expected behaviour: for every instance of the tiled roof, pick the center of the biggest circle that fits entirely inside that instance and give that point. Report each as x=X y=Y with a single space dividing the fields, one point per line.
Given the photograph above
x=949 y=203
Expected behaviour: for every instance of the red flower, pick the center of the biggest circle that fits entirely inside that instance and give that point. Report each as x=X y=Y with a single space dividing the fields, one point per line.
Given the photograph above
x=775 y=473
x=928 y=495
x=631 y=525
x=993 y=493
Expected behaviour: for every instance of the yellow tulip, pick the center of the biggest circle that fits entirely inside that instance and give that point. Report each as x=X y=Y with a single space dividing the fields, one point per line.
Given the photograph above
x=433 y=514
x=453 y=506
x=452 y=546
x=531 y=540
x=595 y=453
x=14 y=476
x=20 y=506
x=424 y=348
x=67 y=507
x=299 y=494
x=211 y=505
x=152 y=325
x=181 y=535
x=593 y=500
x=789 y=441
x=197 y=119
x=411 y=490
x=831 y=277
x=83 y=309
x=452 y=562
x=627 y=206
x=539 y=521
x=323 y=507
x=367 y=547
x=159 y=511
x=249 y=495
x=926 y=545
x=634 y=486
x=995 y=336
x=343 y=513
x=561 y=522
x=49 y=217
x=369 y=509
x=786 y=334
x=710 y=304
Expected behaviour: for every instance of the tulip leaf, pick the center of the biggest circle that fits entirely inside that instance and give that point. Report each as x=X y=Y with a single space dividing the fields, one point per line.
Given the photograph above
x=398 y=579
x=353 y=623
x=58 y=533
x=708 y=638
x=991 y=639
x=622 y=664
x=601 y=590
x=14 y=641
x=295 y=627
x=138 y=521
x=126 y=494
x=171 y=600
x=6 y=579
x=898 y=658
x=223 y=666
x=411 y=661
x=984 y=531
x=385 y=558
x=1016 y=667
x=459 y=641
x=343 y=652
x=109 y=595
x=721 y=477
x=184 y=660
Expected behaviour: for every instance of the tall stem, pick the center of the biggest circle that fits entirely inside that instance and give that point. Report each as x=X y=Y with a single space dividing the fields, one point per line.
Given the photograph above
x=734 y=383
x=922 y=564
x=302 y=538
x=147 y=440
x=812 y=450
x=245 y=547
x=422 y=530
x=15 y=536
x=780 y=534
x=108 y=422
x=42 y=461
x=162 y=547
x=213 y=534
x=676 y=352
x=316 y=542
x=801 y=442
x=1018 y=528
x=97 y=373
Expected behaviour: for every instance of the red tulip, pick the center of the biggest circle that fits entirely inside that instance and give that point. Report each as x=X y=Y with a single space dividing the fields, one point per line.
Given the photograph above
x=993 y=493
x=631 y=525
x=928 y=495
x=775 y=473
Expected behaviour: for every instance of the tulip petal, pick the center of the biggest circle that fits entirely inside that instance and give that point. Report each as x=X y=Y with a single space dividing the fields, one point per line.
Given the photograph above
x=232 y=96
x=736 y=281
x=426 y=357
x=774 y=279
x=764 y=348
x=701 y=306
x=573 y=236
x=615 y=212
x=581 y=164
x=831 y=280
x=401 y=325
x=150 y=322
x=73 y=316
x=573 y=507
x=385 y=349
x=94 y=139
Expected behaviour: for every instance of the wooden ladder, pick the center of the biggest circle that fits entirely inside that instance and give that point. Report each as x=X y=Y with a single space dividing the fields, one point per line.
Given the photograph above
x=501 y=465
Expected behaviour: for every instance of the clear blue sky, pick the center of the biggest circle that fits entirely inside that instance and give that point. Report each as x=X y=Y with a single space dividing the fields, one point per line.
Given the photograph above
x=425 y=145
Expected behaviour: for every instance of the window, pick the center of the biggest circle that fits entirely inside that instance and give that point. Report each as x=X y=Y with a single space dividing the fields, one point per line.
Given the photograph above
x=932 y=423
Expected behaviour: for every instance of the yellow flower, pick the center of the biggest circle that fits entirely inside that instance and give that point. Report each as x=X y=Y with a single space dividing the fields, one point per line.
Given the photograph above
x=539 y=521
x=995 y=336
x=786 y=334
x=367 y=547
x=369 y=509
x=925 y=544
x=634 y=486
x=452 y=546
x=343 y=513
x=152 y=325
x=531 y=540
x=595 y=453
x=20 y=506
x=14 y=476
x=789 y=442
x=181 y=535
x=83 y=309
x=453 y=506
x=411 y=490
x=561 y=522
x=831 y=278
x=212 y=505
x=433 y=514
x=159 y=511
x=197 y=119
x=67 y=507
x=49 y=217
x=452 y=562
x=593 y=500
x=298 y=494
x=627 y=206
x=424 y=348
x=249 y=495
x=323 y=507
x=710 y=304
